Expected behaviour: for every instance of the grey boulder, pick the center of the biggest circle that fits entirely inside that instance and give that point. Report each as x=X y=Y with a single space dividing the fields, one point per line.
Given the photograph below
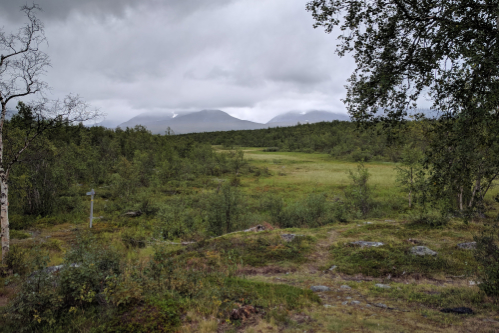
x=288 y=237
x=367 y=244
x=467 y=246
x=383 y=286
x=422 y=251
x=319 y=288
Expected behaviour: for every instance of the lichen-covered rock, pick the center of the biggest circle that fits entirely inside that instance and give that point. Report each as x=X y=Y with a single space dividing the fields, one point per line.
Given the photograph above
x=381 y=305
x=422 y=251
x=288 y=237
x=367 y=244
x=467 y=246
x=133 y=213
x=383 y=286
x=319 y=288
x=257 y=228
x=345 y=287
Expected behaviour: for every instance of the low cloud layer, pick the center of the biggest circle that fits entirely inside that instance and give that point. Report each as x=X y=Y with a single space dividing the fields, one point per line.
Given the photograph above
x=253 y=59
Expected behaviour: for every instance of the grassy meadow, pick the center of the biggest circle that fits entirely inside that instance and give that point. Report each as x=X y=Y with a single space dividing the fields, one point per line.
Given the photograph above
x=257 y=282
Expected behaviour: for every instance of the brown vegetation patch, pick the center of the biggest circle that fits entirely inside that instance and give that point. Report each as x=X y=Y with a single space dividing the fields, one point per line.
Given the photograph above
x=266 y=270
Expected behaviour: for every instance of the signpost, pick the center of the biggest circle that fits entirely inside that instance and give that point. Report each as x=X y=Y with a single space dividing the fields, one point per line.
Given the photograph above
x=91 y=193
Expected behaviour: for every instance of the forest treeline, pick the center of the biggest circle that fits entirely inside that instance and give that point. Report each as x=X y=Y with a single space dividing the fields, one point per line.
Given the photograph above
x=340 y=139
x=49 y=177
x=127 y=160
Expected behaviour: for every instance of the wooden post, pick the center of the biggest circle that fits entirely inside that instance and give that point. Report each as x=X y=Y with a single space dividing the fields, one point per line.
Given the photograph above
x=91 y=193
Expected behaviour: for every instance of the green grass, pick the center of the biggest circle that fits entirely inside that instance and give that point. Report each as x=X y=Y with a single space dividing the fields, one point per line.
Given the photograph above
x=420 y=284
x=254 y=250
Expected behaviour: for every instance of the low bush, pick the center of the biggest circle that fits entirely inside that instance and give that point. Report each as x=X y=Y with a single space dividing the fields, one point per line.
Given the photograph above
x=431 y=219
x=134 y=238
x=487 y=255
x=396 y=260
x=16 y=234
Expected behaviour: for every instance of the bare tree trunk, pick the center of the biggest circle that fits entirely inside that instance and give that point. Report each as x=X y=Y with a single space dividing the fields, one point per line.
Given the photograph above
x=4 y=200
x=410 y=190
x=4 y=213
x=461 y=199
x=475 y=189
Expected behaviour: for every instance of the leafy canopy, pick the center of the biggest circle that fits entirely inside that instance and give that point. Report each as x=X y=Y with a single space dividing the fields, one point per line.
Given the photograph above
x=404 y=49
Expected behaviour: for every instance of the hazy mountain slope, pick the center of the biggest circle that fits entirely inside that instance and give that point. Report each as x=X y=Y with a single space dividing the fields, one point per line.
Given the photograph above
x=216 y=120
x=149 y=119
x=205 y=121
x=293 y=117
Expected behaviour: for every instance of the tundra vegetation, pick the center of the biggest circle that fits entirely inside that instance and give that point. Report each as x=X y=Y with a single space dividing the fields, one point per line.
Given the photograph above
x=367 y=230
x=182 y=262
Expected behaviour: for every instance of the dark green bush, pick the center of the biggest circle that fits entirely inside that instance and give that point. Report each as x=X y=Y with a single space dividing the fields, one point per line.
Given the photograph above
x=431 y=219
x=312 y=211
x=134 y=238
x=359 y=194
x=16 y=234
x=154 y=315
x=487 y=255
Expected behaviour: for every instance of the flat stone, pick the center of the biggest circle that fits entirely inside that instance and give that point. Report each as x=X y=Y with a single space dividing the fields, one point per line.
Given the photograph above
x=349 y=297
x=328 y=306
x=384 y=286
x=319 y=288
x=367 y=244
x=422 y=251
x=333 y=268
x=368 y=305
x=345 y=287
x=355 y=302
x=381 y=305
x=257 y=228
x=467 y=246
x=288 y=237
x=344 y=303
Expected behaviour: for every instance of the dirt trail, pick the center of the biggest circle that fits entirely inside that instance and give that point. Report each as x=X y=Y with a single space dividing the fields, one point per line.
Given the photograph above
x=320 y=256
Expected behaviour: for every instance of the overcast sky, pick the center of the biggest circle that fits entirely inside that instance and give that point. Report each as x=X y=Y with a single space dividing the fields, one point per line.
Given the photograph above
x=251 y=58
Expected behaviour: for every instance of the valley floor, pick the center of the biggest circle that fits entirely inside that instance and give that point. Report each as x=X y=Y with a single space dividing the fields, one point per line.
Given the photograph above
x=412 y=290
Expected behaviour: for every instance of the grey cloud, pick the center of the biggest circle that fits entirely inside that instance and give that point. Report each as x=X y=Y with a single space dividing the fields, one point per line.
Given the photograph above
x=62 y=9
x=251 y=58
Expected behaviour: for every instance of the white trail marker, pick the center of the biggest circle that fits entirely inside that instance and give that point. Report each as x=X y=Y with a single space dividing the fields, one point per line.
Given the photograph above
x=91 y=193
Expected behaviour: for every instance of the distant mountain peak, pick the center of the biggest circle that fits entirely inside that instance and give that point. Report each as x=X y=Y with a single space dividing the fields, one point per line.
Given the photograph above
x=210 y=120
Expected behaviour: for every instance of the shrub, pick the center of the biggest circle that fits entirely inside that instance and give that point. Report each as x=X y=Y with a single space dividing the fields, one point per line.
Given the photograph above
x=176 y=220
x=16 y=234
x=359 y=193
x=431 y=219
x=312 y=211
x=134 y=238
x=155 y=315
x=23 y=261
x=487 y=255
x=45 y=299
x=224 y=209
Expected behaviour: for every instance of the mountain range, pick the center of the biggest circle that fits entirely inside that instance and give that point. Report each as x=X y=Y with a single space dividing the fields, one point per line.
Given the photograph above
x=217 y=120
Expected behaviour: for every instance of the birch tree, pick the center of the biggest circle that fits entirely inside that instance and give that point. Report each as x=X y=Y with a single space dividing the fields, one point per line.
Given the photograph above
x=444 y=51
x=22 y=66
